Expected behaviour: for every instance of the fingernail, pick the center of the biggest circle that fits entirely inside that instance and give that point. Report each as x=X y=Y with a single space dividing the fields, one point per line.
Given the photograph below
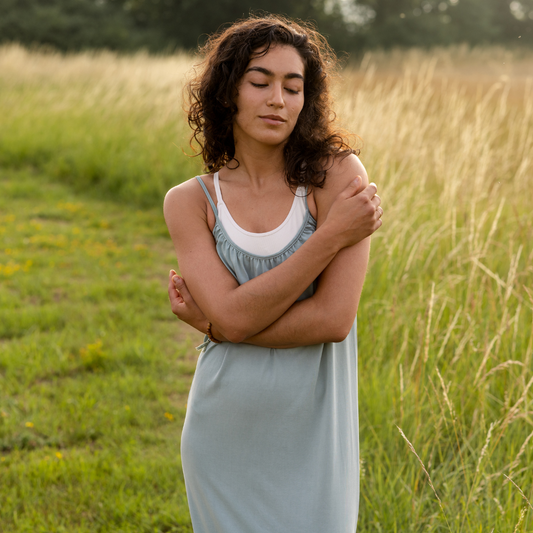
x=176 y=280
x=357 y=180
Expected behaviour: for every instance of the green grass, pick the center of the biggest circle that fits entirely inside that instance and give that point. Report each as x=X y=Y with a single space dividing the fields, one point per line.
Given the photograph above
x=94 y=367
x=99 y=125
x=94 y=370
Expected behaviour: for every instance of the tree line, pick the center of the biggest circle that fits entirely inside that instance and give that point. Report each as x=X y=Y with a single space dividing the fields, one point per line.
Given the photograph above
x=350 y=25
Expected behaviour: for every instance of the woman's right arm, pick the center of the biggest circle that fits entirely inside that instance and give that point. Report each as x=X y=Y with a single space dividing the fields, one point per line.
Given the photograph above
x=240 y=311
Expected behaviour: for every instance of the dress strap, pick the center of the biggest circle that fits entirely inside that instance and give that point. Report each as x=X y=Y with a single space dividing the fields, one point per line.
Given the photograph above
x=307 y=196
x=217 y=189
x=213 y=206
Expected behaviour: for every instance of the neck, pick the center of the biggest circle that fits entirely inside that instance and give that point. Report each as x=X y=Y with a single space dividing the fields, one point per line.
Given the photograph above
x=258 y=163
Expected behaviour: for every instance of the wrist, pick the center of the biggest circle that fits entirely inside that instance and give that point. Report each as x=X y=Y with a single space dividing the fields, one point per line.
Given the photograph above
x=202 y=326
x=329 y=238
x=210 y=334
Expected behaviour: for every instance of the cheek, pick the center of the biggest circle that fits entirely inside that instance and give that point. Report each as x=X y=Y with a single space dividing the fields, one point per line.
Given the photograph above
x=297 y=111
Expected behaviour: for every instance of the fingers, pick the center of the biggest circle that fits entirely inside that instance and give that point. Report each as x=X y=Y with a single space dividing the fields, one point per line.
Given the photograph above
x=375 y=200
x=371 y=190
x=173 y=293
x=171 y=288
x=358 y=184
x=353 y=187
x=182 y=288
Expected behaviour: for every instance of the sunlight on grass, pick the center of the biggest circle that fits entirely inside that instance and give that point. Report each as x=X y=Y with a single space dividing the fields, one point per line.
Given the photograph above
x=94 y=368
x=74 y=352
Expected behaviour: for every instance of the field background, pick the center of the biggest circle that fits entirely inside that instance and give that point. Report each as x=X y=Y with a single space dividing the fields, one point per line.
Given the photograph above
x=95 y=370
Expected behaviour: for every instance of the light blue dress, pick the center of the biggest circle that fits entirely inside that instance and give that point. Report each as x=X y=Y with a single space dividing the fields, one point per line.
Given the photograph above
x=270 y=442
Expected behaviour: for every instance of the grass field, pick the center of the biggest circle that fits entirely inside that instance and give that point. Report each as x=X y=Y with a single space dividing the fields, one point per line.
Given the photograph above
x=94 y=370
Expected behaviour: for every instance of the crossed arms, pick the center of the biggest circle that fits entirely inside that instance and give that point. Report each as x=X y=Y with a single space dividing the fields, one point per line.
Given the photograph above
x=264 y=310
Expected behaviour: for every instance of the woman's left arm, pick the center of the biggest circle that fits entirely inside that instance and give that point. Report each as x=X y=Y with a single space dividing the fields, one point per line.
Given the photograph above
x=329 y=314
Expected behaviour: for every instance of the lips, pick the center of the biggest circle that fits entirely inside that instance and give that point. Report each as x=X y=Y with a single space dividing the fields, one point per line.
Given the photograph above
x=273 y=119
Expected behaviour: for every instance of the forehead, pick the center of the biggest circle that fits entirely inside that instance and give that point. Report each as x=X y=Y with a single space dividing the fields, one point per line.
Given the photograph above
x=279 y=59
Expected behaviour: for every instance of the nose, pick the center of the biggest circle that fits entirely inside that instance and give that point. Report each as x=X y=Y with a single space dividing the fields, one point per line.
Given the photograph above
x=275 y=97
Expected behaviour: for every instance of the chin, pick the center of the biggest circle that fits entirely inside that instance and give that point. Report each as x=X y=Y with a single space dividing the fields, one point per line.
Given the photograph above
x=273 y=140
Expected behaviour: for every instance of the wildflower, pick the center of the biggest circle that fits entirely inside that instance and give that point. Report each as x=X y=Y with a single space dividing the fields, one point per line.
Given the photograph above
x=59 y=455
x=29 y=424
x=169 y=416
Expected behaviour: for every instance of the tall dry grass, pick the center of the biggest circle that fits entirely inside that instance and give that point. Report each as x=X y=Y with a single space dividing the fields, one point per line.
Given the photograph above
x=96 y=120
x=446 y=318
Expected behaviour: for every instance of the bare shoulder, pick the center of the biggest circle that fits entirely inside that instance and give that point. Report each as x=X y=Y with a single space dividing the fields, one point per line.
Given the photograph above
x=186 y=209
x=185 y=199
x=183 y=193
x=345 y=168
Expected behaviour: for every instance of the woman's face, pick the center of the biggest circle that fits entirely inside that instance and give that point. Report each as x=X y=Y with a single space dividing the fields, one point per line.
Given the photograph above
x=270 y=97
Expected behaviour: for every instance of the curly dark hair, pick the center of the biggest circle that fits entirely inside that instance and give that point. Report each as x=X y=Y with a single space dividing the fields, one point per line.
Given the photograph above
x=315 y=140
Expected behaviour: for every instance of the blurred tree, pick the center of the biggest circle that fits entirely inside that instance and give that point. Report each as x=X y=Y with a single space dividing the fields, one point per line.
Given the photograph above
x=442 y=22
x=429 y=22
x=186 y=23
x=72 y=25
x=350 y=25
x=514 y=19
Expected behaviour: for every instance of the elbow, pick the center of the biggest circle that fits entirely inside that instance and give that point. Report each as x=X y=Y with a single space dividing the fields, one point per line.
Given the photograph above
x=340 y=328
x=340 y=334
x=235 y=337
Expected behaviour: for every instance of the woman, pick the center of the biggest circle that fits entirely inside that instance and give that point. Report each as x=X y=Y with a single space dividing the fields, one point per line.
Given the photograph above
x=270 y=439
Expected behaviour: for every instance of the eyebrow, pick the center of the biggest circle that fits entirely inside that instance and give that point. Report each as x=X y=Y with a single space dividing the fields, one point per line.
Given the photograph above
x=289 y=76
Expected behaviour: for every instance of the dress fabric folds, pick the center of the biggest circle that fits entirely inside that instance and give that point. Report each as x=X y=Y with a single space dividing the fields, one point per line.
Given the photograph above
x=270 y=441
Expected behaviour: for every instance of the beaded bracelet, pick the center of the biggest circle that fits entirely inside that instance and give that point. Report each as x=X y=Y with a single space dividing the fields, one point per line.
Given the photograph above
x=210 y=335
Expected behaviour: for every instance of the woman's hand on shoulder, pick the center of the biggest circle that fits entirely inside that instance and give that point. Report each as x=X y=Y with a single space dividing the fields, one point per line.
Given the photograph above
x=348 y=204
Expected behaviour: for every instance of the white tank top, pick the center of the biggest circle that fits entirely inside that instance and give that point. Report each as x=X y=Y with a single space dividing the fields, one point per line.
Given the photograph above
x=270 y=242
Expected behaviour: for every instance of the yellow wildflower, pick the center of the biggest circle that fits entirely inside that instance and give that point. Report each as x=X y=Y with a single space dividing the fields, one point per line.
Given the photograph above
x=29 y=424
x=169 y=416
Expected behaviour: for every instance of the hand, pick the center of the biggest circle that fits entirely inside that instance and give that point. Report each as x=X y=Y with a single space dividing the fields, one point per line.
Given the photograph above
x=183 y=304
x=355 y=214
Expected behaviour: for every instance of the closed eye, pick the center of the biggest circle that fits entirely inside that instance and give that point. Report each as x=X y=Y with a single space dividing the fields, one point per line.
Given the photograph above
x=262 y=85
